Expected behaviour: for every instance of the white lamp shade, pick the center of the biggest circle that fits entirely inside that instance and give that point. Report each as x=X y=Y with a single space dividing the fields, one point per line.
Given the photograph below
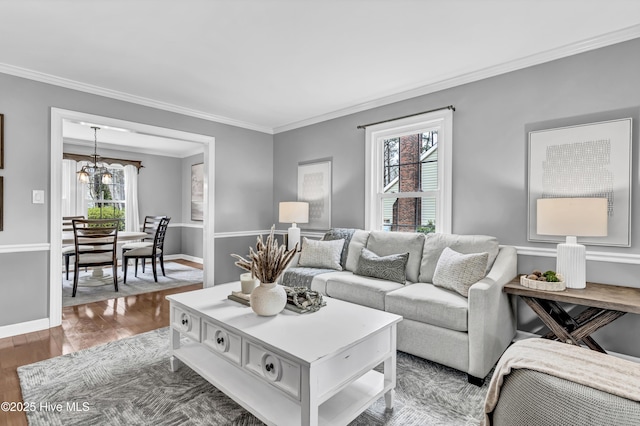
x=293 y=212
x=572 y=217
x=580 y=217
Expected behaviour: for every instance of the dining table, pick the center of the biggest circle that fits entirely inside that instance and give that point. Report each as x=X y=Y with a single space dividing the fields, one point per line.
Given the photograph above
x=97 y=277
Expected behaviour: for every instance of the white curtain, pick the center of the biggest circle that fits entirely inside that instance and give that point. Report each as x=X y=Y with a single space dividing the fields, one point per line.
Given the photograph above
x=74 y=194
x=131 y=216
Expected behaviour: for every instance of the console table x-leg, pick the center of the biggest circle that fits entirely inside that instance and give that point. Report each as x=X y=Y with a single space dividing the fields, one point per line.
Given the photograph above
x=606 y=303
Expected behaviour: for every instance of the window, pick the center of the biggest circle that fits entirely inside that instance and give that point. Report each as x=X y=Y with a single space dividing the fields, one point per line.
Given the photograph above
x=107 y=200
x=408 y=174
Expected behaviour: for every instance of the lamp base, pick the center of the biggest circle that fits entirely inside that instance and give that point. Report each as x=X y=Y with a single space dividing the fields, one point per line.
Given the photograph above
x=293 y=237
x=571 y=263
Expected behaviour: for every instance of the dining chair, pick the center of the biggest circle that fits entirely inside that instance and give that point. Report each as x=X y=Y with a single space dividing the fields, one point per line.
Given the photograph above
x=69 y=250
x=95 y=242
x=154 y=252
x=149 y=227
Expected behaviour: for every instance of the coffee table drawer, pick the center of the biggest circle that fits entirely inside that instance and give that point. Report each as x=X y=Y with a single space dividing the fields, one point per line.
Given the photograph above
x=186 y=323
x=222 y=341
x=276 y=370
x=354 y=360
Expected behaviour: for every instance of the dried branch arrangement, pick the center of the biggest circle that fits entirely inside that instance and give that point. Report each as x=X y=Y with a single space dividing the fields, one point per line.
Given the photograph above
x=268 y=260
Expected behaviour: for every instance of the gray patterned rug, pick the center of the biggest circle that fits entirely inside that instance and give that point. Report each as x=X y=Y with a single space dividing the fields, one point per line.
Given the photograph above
x=128 y=382
x=178 y=275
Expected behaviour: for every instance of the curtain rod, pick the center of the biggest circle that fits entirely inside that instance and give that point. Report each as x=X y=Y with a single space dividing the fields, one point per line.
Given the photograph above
x=364 y=126
x=108 y=160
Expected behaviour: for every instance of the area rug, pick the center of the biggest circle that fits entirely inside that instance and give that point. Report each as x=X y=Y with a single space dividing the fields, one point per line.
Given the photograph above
x=128 y=382
x=178 y=275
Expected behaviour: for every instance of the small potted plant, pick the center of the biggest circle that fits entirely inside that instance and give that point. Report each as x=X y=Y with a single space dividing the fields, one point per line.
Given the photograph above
x=266 y=263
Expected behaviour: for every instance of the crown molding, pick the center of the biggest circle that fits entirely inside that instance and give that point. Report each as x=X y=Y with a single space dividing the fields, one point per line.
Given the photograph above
x=471 y=76
x=127 y=97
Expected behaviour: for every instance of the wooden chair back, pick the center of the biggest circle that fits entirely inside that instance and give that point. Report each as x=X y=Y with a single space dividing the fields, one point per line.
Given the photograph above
x=161 y=231
x=97 y=236
x=67 y=222
x=150 y=226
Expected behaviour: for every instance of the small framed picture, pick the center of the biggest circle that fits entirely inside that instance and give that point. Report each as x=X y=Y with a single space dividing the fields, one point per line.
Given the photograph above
x=197 y=191
x=314 y=187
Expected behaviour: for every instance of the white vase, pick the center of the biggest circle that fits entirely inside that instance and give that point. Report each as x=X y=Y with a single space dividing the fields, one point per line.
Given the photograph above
x=268 y=299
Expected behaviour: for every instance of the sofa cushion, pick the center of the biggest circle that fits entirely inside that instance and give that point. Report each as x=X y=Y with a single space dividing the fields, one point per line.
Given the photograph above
x=435 y=243
x=456 y=271
x=321 y=254
x=385 y=243
x=391 y=267
x=358 y=241
x=429 y=304
x=361 y=290
x=340 y=234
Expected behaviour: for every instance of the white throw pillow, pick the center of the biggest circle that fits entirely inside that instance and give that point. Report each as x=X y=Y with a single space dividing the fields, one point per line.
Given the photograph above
x=456 y=271
x=321 y=254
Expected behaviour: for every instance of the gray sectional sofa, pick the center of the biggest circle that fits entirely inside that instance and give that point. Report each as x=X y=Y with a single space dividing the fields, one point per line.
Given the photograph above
x=466 y=327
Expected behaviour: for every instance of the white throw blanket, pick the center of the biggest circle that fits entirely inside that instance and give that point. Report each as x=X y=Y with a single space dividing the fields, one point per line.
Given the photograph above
x=580 y=365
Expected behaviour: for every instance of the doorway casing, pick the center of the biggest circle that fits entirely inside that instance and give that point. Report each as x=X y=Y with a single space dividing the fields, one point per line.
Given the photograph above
x=55 y=191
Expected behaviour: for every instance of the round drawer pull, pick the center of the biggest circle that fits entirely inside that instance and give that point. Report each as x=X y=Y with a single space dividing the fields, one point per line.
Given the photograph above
x=221 y=341
x=271 y=367
x=184 y=320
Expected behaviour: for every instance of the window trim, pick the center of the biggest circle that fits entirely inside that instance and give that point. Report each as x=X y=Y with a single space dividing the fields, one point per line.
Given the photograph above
x=374 y=163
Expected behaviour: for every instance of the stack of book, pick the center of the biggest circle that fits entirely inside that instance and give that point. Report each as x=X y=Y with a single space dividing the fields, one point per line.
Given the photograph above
x=240 y=297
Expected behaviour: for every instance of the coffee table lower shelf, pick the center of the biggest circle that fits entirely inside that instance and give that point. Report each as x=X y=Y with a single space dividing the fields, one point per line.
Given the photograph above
x=271 y=406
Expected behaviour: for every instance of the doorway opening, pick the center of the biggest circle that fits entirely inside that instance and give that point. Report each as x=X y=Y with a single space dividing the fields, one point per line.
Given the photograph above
x=59 y=118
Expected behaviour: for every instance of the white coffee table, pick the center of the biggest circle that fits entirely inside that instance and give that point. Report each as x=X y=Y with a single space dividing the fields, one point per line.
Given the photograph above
x=289 y=369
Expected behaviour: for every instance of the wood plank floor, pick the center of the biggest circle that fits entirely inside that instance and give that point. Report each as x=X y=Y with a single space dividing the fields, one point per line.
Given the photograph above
x=82 y=327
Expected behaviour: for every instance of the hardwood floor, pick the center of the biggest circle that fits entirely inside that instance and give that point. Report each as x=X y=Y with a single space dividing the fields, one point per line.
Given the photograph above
x=82 y=327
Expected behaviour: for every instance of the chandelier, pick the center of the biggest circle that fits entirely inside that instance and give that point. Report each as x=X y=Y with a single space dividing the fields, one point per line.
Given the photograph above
x=95 y=168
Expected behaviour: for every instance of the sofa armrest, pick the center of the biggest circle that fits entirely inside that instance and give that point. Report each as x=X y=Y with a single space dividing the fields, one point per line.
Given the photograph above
x=492 y=314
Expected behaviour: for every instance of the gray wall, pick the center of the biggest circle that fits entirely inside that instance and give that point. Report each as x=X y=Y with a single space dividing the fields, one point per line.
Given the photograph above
x=26 y=106
x=490 y=155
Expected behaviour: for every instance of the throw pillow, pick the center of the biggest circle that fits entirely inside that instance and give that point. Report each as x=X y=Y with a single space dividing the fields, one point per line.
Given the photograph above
x=391 y=267
x=456 y=271
x=321 y=254
x=384 y=243
x=340 y=234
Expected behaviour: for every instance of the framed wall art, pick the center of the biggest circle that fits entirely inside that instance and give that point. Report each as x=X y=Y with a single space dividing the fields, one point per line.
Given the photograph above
x=197 y=191
x=589 y=160
x=314 y=187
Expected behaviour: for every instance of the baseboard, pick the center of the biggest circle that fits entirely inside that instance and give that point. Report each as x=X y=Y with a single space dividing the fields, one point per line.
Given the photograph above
x=522 y=335
x=184 y=257
x=24 y=327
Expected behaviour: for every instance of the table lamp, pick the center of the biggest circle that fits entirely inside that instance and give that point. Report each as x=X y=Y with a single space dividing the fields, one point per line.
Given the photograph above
x=293 y=212
x=572 y=217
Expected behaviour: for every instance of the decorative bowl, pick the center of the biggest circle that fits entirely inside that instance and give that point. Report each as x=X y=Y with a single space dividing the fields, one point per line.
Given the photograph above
x=543 y=285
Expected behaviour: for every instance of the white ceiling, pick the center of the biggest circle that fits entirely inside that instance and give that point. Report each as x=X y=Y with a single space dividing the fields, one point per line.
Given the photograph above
x=278 y=64
x=127 y=138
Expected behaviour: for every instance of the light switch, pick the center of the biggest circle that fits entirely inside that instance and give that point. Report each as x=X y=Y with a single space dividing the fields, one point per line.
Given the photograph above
x=37 y=196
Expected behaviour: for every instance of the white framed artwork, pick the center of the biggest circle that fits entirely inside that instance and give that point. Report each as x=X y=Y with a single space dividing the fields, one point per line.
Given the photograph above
x=197 y=192
x=314 y=187
x=588 y=160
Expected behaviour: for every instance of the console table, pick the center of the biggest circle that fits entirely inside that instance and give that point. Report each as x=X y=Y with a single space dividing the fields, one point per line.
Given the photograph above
x=606 y=303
